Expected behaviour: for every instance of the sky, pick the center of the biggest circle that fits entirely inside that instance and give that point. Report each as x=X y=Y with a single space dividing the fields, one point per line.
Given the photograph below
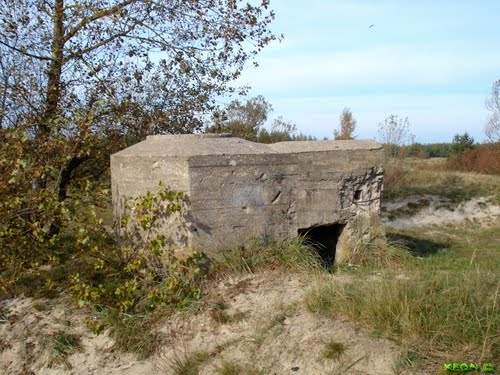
x=433 y=61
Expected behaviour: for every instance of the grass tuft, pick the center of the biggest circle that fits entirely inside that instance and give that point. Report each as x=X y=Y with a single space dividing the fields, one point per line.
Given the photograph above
x=62 y=345
x=334 y=350
x=133 y=333
x=230 y=368
x=188 y=364
x=291 y=254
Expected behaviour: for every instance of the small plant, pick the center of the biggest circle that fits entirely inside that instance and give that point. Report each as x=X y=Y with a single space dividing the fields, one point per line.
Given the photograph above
x=294 y=253
x=230 y=368
x=407 y=360
x=276 y=324
x=40 y=306
x=141 y=270
x=95 y=326
x=334 y=350
x=133 y=333
x=219 y=312
x=414 y=308
x=375 y=334
x=62 y=345
x=188 y=364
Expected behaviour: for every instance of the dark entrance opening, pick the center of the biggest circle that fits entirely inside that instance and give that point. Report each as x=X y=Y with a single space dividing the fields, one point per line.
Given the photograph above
x=324 y=239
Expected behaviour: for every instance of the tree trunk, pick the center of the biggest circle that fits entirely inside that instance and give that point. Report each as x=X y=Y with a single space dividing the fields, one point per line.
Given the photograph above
x=62 y=185
x=52 y=101
x=53 y=93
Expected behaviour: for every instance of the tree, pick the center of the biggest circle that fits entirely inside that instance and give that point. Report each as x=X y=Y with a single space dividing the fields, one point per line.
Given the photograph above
x=281 y=131
x=461 y=143
x=246 y=120
x=347 y=126
x=492 y=129
x=88 y=70
x=394 y=133
x=81 y=78
x=243 y=120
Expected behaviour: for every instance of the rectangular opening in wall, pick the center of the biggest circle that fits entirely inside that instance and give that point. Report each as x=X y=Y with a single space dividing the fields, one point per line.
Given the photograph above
x=357 y=195
x=323 y=239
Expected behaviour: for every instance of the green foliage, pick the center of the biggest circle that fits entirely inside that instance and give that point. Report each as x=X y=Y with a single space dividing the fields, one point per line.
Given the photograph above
x=423 y=151
x=38 y=200
x=462 y=142
x=77 y=86
x=243 y=120
x=141 y=269
x=246 y=120
x=438 y=150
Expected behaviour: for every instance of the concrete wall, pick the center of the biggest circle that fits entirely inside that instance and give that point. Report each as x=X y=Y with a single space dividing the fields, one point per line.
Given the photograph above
x=237 y=189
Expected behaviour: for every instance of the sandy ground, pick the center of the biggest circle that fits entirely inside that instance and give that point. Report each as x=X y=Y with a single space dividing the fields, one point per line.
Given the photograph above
x=275 y=334
x=433 y=210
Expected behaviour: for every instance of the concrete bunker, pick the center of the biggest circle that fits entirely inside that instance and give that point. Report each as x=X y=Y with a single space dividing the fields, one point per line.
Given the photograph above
x=237 y=190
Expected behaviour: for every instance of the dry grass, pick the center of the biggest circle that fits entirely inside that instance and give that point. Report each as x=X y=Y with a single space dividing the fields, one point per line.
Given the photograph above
x=416 y=176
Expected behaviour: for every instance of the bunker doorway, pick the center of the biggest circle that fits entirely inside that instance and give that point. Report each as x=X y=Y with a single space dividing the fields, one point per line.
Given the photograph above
x=323 y=239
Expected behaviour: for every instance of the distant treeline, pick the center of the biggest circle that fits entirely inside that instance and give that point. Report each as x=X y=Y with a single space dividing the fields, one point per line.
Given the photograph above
x=430 y=150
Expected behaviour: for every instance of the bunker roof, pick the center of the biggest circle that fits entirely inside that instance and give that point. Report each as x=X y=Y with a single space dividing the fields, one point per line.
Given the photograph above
x=224 y=144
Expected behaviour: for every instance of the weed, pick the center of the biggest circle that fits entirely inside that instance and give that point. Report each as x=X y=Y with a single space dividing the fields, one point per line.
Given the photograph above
x=219 y=312
x=188 y=364
x=482 y=159
x=40 y=306
x=334 y=350
x=376 y=255
x=375 y=334
x=291 y=254
x=133 y=333
x=407 y=360
x=296 y=253
x=276 y=324
x=61 y=345
x=230 y=368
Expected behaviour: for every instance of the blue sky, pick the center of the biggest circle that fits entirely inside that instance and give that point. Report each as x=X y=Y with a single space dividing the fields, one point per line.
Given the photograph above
x=431 y=61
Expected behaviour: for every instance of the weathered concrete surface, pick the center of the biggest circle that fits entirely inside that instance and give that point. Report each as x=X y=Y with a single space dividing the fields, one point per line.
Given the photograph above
x=238 y=189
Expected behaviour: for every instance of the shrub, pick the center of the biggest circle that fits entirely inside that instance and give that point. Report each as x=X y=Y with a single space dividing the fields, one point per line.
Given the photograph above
x=394 y=174
x=483 y=159
x=131 y=272
x=37 y=201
